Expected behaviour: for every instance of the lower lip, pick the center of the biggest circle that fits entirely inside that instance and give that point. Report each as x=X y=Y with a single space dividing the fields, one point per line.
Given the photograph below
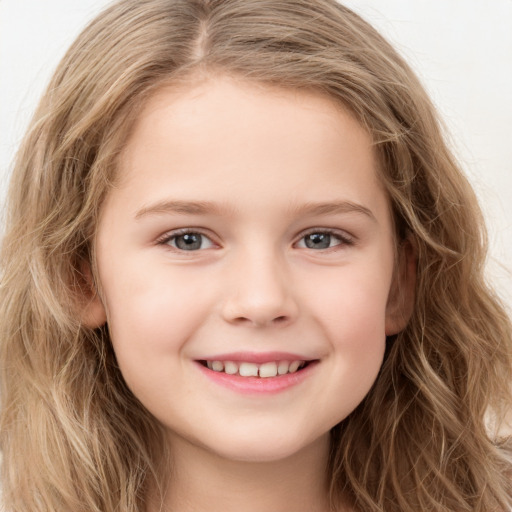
x=258 y=385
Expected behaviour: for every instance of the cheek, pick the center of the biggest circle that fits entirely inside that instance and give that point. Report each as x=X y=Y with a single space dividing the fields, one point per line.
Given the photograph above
x=352 y=312
x=353 y=305
x=151 y=313
x=151 y=317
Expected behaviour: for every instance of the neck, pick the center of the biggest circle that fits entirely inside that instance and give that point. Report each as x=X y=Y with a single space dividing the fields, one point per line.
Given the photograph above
x=204 y=481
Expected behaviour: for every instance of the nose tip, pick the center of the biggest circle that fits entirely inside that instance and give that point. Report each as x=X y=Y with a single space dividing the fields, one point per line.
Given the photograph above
x=261 y=319
x=259 y=312
x=260 y=297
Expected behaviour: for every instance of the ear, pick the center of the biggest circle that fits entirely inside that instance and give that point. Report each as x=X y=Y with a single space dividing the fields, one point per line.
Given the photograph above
x=400 y=304
x=92 y=311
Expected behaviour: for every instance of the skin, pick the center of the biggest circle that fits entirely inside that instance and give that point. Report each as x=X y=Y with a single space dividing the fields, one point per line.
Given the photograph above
x=260 y=157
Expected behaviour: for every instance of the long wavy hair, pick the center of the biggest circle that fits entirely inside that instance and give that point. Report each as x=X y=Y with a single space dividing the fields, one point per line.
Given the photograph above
x=73 y=436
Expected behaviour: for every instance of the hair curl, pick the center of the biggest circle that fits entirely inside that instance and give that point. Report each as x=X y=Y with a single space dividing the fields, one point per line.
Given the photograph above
x=420 y=440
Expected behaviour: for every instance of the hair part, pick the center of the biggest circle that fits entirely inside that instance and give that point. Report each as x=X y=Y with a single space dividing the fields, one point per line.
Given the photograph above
x=65 y=439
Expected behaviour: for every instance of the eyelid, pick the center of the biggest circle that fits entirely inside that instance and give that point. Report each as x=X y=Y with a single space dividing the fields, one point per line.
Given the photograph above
x=346 y=239
x=169 y=235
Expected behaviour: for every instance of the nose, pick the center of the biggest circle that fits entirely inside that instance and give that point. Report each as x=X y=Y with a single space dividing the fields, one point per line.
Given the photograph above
x=259 y=292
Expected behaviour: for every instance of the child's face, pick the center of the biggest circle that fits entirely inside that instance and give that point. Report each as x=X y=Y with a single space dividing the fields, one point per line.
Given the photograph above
x=249 y=226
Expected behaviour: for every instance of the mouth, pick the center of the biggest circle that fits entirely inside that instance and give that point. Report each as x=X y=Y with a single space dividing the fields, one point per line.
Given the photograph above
x=262 y=370
x=257 y=373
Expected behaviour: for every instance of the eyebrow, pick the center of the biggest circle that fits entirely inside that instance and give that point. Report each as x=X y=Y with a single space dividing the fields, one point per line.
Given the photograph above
x=183 y=207
x=334 y=207
x=209 y=207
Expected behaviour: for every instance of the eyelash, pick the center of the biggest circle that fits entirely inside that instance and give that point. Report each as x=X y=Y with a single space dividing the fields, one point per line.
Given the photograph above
x=343 y=238
x=168 y=237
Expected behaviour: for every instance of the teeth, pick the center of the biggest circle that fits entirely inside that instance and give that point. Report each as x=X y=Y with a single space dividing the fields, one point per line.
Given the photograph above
x=265 y=370
x=248 y=370
x=230 y=367
x=217 y=366
x=283 y=367
x=294 y=366
x=268 y=370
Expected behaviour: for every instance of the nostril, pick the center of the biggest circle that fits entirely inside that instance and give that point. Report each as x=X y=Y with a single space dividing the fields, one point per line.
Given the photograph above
x=280 y=319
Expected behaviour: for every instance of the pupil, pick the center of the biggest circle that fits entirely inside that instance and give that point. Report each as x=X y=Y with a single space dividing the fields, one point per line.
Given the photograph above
x=189 y=242
x=318 y=241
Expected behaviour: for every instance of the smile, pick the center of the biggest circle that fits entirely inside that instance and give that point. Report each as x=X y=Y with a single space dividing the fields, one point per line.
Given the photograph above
x=256 y=374
x=247 y=369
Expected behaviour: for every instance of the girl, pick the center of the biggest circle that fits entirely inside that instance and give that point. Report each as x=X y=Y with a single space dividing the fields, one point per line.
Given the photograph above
x=241 y=271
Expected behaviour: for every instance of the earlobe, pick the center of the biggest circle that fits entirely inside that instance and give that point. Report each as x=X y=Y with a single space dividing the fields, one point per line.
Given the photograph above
x=400 y=304
x=92 y=311
x=93 y=314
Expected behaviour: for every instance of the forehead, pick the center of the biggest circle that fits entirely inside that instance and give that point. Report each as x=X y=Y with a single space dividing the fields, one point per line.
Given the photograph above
x=222 y=136
x=228 y=103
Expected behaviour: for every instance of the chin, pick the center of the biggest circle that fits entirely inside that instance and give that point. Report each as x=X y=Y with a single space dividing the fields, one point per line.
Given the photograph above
x=258 y=454
x=266 y=447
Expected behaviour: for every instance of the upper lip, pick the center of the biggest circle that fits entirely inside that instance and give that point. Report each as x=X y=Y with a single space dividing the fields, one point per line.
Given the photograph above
x=257 y=357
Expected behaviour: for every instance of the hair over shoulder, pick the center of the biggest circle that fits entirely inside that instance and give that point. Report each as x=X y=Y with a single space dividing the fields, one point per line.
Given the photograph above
x=427 y=435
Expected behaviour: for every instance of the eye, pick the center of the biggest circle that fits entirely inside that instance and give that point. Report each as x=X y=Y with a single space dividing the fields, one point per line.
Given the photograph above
x=323 y=240
x=187 y=241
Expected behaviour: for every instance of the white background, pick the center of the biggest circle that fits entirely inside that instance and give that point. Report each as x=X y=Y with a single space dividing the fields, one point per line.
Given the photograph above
x=462 y=50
